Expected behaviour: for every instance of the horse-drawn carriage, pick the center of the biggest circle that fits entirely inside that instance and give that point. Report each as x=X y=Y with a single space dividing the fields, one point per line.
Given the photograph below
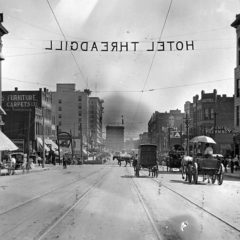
x=147 y=158
x=209 y=166
x=175 y=157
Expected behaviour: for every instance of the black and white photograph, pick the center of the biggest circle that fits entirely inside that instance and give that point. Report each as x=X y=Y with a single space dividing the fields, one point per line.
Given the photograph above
x=119 y=119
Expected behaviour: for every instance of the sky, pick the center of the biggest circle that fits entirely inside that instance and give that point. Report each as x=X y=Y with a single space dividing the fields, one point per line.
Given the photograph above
x=134 y=84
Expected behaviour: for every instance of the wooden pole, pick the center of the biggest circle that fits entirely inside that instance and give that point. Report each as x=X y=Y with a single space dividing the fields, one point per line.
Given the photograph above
x=43 y=140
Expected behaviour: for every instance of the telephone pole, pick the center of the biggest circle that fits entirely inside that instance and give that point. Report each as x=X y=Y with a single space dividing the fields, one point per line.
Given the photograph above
x=187 y=122
x=43 y=140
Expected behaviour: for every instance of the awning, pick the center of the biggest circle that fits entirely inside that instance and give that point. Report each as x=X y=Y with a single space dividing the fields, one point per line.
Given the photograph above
x=6 y=144
x=40 y=141
x=2 y=112
x=49 y=141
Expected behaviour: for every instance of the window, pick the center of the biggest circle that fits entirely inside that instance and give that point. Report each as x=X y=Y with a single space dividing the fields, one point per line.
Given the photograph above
x=59 y=100
x=60 y=109
x=206 y=114
x=79 y=98
x=79 y=114
x=237 y=116
x=59 y=116
x=60 y=123
x=212 y=113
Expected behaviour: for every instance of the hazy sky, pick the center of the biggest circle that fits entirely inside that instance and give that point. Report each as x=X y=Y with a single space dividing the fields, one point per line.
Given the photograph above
x=122 y=79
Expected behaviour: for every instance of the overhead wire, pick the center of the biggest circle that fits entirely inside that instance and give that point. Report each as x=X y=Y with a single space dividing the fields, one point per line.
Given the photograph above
x=154 y=55
x=74 y=58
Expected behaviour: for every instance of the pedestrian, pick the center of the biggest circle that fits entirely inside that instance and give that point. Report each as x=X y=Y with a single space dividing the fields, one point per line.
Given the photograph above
x=64 y=161
x=53 y=158
x=13 y=164
x=24 y=164
x=232 y=165
x=39 y=159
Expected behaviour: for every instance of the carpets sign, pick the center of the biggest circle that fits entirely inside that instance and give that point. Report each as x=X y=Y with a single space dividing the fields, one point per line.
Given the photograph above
x=15 y=100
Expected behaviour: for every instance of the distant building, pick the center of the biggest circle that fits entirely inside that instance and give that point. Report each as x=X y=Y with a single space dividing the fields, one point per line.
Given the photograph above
x=115 y=138
x=144 y=138
x=95 y=122
x=165 y=129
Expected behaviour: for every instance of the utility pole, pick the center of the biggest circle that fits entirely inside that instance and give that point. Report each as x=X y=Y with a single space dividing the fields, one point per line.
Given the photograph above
x=187 y=122
x=214 y=124
x=43 y=116
x=81 y=143
x=169 y=138
x=28 y=134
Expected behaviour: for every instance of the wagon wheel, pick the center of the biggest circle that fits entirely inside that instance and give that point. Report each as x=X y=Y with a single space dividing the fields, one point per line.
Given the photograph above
x=189 y=173
x=214 y=178
x=220 y=175
x=195 y=173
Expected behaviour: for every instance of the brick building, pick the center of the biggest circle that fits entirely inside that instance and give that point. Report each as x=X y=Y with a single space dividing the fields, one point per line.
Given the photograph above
x=212 y=115
x=165 y=129
x=28 y=114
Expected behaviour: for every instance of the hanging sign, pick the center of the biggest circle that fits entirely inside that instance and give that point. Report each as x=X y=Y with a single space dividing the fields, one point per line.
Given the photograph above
x=134 y=46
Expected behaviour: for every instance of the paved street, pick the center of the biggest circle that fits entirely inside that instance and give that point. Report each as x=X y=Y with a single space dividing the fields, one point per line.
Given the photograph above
x=108 y=202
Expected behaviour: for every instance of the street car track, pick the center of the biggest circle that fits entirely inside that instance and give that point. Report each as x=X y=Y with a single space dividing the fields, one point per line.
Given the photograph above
x=195 y=204
x=50 y=227
x=147 y=211
x=47 y=193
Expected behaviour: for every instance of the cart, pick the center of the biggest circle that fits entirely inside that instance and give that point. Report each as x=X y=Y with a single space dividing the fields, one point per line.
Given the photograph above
x=147 y=158
x=209 y=166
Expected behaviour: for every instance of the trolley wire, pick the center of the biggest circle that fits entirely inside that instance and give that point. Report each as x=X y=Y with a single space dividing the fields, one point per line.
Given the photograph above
x=153 y=58
x=74 y=58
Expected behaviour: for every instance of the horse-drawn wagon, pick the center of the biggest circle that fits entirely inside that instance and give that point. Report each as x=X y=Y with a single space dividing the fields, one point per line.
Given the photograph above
x=207 y=165
x=174 y=158
x=147 y=158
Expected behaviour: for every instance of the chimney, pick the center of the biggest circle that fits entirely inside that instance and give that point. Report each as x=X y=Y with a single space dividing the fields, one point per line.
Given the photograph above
x=15 y=89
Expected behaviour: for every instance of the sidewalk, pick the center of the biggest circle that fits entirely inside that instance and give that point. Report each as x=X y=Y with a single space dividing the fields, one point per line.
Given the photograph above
x=35 y=169
x=235 y=174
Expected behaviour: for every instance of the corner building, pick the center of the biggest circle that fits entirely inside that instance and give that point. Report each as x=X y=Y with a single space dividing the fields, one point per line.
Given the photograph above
x=236 y=25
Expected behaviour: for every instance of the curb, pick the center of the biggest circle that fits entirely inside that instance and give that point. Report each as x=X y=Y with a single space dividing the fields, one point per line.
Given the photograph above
x=232 y=176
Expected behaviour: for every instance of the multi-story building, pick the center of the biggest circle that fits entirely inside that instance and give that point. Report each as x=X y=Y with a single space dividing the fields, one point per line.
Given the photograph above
x=236 y=25
x=79 y=115
x=71 y=112
x=212 y=115
x=144 y=138
x=165 y=129
x=115 y=138
x=95 y=122
x=28 y=117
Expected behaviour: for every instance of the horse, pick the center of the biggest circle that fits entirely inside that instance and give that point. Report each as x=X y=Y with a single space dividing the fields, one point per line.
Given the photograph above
x=186 y=160
x=128 y=160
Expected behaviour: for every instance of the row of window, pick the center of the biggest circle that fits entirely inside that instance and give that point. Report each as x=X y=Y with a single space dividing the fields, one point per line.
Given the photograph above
x=206 y=114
